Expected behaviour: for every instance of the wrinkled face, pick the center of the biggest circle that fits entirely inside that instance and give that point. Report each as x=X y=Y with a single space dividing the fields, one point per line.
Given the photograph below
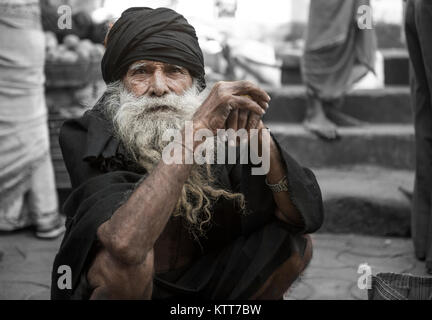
x=156 y=79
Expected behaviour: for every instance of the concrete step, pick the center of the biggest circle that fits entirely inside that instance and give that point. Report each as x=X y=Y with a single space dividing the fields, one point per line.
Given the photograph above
x=365 y=200
x=390 y=146
x=396 y=67
x=387 y=105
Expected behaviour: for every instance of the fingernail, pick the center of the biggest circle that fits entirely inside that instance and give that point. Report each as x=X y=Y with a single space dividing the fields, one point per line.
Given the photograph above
x=267 y=105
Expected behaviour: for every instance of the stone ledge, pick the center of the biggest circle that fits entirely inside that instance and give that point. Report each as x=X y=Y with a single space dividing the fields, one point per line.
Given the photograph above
x=383 y=145
x=366 y=200
x=386 y=105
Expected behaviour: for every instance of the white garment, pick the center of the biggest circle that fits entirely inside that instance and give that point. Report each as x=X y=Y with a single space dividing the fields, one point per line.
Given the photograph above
x=27 y=186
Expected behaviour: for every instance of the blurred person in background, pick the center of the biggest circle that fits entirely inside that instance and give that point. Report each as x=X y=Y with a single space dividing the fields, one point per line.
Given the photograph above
x=418 y=29
x=337 y=54
x=27 y=186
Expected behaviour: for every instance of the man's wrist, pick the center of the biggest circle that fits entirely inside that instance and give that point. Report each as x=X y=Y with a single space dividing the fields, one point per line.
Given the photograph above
x=277 y=166
x=280 y=186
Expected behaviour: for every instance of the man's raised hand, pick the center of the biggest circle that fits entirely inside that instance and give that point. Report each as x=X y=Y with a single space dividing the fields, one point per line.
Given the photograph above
x=235 y=105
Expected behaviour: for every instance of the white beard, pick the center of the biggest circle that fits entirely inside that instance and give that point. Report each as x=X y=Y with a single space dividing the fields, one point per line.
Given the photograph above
x=140 y=122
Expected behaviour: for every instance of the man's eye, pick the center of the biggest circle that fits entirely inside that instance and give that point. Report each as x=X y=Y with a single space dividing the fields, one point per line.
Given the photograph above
x=176 y=70
x=140 y=71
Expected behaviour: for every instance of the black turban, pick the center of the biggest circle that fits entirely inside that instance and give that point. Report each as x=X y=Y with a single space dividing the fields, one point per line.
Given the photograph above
x=151 y=34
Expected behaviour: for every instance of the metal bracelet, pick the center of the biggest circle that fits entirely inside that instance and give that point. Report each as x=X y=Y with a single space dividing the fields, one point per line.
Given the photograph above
x=281 y=186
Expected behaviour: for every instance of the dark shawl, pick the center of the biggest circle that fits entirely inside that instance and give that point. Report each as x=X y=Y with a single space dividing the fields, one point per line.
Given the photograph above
x=240 y=251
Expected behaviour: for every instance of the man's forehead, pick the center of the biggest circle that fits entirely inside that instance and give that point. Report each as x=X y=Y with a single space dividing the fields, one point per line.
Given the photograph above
x=147 y=63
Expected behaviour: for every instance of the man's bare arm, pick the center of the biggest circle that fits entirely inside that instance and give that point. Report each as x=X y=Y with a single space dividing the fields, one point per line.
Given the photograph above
x=134 y=228
x=123 y=267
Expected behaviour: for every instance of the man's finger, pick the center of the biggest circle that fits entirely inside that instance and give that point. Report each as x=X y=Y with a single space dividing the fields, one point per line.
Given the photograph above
x=242 y=119
x=246 y=87
x=232 y=124
x=232 y=120
x=253 y=121
x=241 y=102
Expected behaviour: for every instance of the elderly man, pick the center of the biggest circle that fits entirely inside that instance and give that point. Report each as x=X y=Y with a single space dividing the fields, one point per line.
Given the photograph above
x=140 y=228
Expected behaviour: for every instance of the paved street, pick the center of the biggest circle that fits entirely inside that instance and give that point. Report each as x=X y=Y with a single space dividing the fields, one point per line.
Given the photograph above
x=25 y=265
x=332 y=273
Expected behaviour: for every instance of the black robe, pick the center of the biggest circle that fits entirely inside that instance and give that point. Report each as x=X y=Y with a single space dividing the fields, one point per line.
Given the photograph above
x=239 y=252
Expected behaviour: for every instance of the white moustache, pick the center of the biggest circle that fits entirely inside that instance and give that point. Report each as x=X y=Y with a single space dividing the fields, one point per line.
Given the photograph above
x=184 y=105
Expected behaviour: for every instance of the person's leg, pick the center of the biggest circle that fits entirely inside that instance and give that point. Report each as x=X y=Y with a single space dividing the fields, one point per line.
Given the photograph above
x=284 y=276
x=15 y=216
x=424 y=29
x=316 y=120
x=43 y=203
x=423 y=134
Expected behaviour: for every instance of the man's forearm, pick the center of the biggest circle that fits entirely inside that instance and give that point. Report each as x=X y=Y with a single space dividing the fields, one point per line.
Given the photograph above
x=277 y=171
x=134 y=228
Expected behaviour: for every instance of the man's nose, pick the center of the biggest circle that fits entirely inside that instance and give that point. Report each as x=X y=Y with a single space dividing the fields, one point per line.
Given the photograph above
x=158 y=86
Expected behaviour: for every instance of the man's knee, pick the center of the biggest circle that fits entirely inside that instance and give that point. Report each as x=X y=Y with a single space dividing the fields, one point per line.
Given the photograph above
x=280 y=281
x=308 y=252
x=298 y=262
